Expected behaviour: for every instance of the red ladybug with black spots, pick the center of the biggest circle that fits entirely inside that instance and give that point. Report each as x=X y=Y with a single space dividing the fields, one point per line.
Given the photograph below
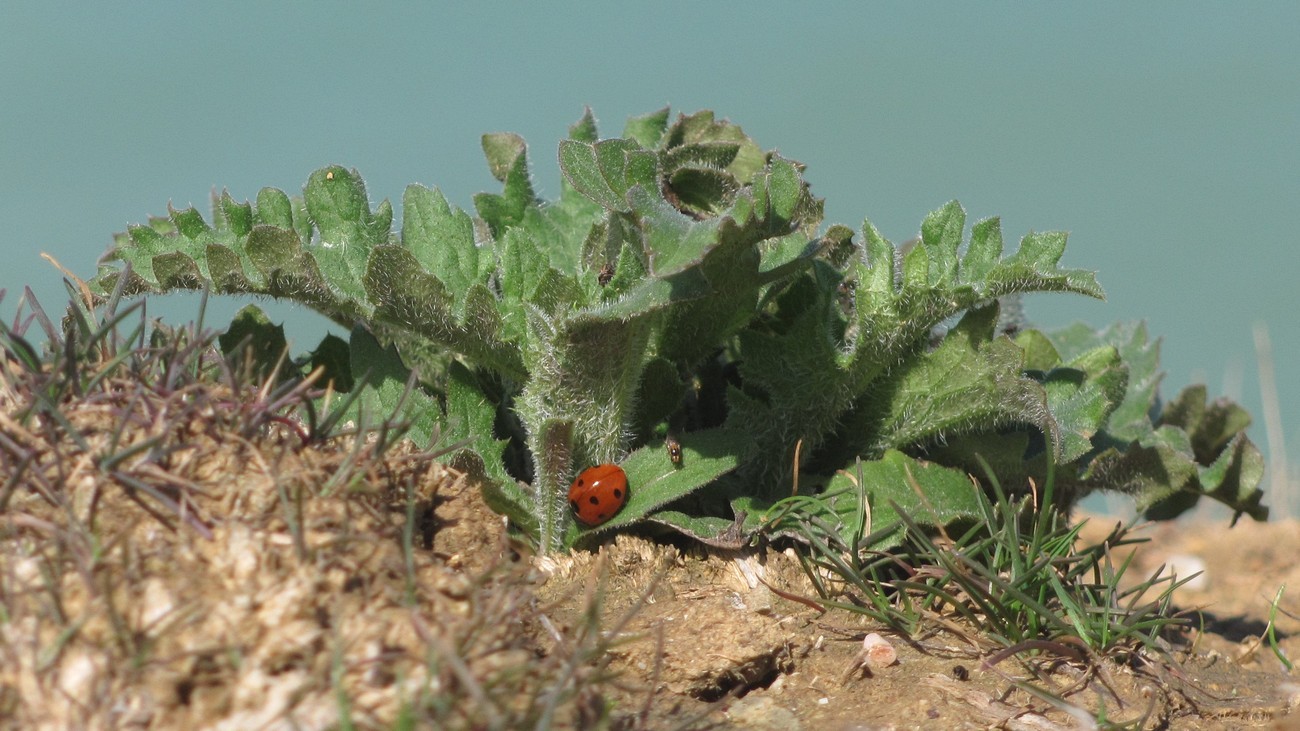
x=598 y=493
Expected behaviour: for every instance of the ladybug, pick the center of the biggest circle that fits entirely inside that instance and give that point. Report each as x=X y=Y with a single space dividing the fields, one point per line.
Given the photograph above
x=598 y=493
x=674 y=448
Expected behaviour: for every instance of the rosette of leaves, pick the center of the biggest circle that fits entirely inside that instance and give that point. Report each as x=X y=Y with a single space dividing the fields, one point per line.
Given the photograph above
x=679 y=283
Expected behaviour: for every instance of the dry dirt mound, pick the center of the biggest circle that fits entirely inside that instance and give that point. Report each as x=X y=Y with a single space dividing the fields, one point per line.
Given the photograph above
x=257 y=582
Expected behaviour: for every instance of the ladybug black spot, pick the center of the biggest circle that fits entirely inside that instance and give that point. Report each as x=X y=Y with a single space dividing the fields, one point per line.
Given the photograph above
x=594 y=500
x=618 y=494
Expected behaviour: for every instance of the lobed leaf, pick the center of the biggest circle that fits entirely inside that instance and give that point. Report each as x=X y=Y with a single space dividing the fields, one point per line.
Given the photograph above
x=1082 y=394
x=441 y=238
x=507 y=157
x=971 y=382
x=894 y=310
x=406 y=295
x=605 y=171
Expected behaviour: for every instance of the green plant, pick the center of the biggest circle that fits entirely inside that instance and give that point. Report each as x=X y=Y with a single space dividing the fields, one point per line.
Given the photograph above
x=681 y=286
x=1270 y=633
x=1018 y=576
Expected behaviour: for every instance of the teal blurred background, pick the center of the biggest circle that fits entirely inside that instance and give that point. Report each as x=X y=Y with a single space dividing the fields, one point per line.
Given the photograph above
x=1163 y=136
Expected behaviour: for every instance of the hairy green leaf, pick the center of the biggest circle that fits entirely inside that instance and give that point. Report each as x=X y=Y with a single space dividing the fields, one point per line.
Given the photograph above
x=972 y=382
x=508 y=160
x=654 y=481
x=441 y=238
x=932 y=495
x=1132 y=418
x=1082 y=394
x=390 y=390
x=606 y=171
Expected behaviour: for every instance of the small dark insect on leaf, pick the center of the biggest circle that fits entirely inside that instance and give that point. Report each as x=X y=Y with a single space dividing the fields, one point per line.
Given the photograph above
x=606 y=274
x=674 y=451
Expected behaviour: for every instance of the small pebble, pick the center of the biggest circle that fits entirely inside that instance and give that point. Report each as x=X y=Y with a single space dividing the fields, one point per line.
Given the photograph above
x=879 y=653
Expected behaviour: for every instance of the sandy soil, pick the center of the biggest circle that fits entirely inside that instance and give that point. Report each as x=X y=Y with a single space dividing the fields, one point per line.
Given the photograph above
x=714 y=642
x=286 y=598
